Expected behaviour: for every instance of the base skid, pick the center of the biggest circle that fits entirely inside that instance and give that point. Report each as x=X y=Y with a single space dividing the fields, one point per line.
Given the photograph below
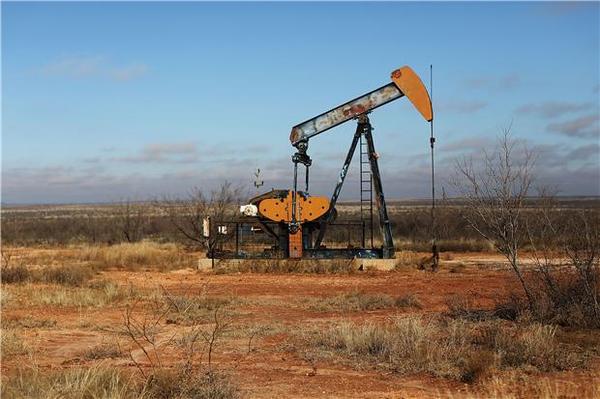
x=322 y=253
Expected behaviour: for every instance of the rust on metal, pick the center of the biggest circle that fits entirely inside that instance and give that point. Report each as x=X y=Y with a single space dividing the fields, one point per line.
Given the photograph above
x=295 y=244
x=344 y=112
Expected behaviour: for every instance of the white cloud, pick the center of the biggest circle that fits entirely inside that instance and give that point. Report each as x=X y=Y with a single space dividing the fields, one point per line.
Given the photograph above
x=80 y=67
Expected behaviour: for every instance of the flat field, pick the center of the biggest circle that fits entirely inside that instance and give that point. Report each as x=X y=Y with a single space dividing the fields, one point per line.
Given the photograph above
x=278 y=329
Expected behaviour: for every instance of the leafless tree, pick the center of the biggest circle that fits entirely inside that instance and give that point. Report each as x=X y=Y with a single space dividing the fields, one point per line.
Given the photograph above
x=187 y=214
x=495 y=191
x=132 y=218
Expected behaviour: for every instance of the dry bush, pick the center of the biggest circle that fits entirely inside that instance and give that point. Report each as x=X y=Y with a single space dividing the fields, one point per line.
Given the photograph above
x=566 y=256
x=461 y=307
x=459 y=267
x=195 y=377
x=166 y=384
x=97 y=295
x=14 y=274
x=356 y=301
x=131 y=256
x=103 y=351
x=68 y=275
x=307 y=266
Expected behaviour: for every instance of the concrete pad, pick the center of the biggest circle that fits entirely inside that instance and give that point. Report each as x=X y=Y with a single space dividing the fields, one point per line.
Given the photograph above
x=206 y=264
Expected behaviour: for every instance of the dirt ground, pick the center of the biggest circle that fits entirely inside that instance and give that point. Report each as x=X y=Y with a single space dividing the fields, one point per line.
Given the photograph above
x=262 y=366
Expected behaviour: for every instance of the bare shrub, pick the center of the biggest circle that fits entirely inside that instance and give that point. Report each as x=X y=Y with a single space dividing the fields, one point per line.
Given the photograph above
x=408 y=301
x=495 y=193
x=132 y=219
x=565 y=252
x=187 y=214
x=193 y=378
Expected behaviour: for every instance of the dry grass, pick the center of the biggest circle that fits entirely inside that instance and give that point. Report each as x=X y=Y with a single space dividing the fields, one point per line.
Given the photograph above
x=11 y=343
x=97 y=295
x=409 y=258
x=103 y=382
x=95 y=382
x=357 y=301
x=190 y=308
x=29 y=322
x=516 y=385
x=145 y=254
x=455 y=349
x=68 y=275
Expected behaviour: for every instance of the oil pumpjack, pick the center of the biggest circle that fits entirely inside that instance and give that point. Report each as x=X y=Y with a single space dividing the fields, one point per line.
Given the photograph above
x=298 y=221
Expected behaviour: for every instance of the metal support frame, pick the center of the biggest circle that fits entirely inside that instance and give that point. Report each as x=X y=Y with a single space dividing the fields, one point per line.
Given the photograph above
x=363 y=128
x=338 y=187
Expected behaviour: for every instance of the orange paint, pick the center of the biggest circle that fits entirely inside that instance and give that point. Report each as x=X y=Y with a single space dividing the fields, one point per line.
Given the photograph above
x=280 y=210
x=409 y=83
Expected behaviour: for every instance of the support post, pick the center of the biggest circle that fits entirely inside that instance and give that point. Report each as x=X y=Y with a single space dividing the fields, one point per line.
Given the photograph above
x=384 y=221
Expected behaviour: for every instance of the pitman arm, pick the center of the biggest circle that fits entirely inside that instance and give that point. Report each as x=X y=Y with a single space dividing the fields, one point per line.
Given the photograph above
x=405 y=82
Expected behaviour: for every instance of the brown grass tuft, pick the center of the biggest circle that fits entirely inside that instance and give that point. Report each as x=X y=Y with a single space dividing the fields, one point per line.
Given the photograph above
x=131 y=256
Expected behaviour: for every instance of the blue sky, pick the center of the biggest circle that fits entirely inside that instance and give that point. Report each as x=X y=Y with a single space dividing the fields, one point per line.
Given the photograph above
x=102 y=102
